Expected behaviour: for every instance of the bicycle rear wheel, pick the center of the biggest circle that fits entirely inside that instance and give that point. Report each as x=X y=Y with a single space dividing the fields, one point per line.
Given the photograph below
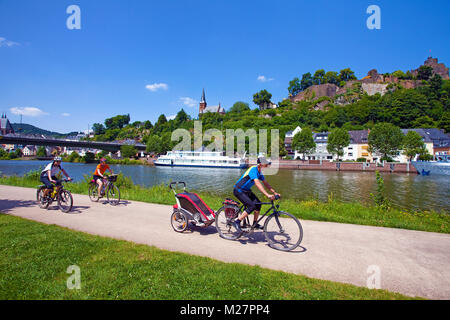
x=65 y=201
x=113 y=195
x=224 y=224
x=93 y=192
x=42 y=202
x=283 y=231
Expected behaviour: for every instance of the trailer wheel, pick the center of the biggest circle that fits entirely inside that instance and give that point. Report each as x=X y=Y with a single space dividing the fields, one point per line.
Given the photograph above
x=178 y=221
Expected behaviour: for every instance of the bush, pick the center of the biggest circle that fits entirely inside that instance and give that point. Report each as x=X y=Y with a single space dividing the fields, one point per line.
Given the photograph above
x=361 y=160
x=379 y=198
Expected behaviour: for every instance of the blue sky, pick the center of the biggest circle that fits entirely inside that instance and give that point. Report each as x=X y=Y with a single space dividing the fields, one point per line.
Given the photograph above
x=150 y=57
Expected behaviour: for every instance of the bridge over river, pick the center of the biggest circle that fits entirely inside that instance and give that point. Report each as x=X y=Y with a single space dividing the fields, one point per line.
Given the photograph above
x=34 y=141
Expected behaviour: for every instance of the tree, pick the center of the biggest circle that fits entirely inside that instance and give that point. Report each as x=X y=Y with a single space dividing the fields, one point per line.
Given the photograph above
x=182 y=116
x=89 y=157
x=128 y=151
x=239 y=107
x=294 y=87
x=262 y=98
x=117 y=122
x=154 y=144
x=424 y=72
x=319 y=77
x=303 y=142
x=3 y=153
x=412 y=144
x=73 y=156
x=332 y=77
x=436 y=83
x=161 y=121
x=148 y=125
x=41 y=152
x=98 y=128
x=385 y=139
x=338 y=139
x=424 y=122
x=346 y=75
x=444 y=122
x=307 y=81
x=399 y=74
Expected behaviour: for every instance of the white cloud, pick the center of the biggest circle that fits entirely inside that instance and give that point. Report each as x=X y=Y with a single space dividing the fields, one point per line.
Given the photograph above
x=28 y=111
x=65 y=114
x=264 y=79
x=171 y=117
x=189 y=102
x=7 y=43
x=157 y=86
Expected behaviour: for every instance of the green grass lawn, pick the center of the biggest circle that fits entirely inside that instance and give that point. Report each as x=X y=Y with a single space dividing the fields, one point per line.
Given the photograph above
x=333 y=211
x=34 y=258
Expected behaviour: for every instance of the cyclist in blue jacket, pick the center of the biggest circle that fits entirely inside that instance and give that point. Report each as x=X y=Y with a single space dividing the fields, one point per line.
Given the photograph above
x=242 y=191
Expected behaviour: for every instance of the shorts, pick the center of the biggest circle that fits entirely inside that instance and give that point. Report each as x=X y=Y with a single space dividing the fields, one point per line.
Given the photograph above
x=96 y=177
x=249 y=199
x=44 y=179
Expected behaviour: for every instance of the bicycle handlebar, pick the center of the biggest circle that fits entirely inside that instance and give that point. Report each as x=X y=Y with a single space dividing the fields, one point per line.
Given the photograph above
x=277 y=197
x=176 y=184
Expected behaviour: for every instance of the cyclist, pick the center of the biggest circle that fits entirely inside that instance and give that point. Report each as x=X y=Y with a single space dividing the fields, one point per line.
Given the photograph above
x=99 y=175
x=242 y=191
x=48 y=175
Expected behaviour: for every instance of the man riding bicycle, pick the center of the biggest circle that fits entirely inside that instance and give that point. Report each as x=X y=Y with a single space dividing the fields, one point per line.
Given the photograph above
x=48 y=175
x=99 y=175
x=242 y=191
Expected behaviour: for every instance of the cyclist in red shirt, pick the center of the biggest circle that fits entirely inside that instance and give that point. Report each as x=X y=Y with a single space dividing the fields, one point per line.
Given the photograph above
x=99 y=175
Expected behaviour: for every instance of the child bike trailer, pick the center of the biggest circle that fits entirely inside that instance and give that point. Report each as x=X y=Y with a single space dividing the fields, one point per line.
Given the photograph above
x=190 y=208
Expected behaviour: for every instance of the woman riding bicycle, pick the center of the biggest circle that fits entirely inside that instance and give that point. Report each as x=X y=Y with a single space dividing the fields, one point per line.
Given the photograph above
x=99 y=175
x=48 y=175
x=242 y=191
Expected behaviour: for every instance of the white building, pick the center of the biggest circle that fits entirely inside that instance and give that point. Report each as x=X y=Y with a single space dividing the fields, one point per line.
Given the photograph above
x=29 y=151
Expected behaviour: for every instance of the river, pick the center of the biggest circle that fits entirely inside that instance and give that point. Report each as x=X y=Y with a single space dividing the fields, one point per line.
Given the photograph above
x=408 y=191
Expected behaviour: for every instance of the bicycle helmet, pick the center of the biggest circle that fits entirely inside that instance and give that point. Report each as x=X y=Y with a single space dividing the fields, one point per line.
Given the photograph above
x=262 y=160
x=57 y=159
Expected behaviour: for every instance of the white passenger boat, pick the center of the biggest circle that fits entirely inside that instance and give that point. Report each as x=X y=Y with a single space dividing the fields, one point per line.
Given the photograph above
x=209 y=159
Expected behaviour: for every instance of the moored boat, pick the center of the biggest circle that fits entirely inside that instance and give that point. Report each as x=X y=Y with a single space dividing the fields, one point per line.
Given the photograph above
x=209 y=159
x=439 y=167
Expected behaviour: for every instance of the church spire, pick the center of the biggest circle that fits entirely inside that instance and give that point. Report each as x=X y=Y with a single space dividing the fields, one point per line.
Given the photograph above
x=203 y=96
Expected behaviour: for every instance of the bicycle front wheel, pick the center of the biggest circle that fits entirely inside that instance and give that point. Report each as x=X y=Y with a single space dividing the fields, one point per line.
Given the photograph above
x=224 y=224
x=283 y=231
x=113 y=195
x=65 y=201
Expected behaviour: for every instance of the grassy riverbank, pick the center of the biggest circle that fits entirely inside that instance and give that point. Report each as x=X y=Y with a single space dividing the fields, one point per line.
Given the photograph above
x=113 y=269
x=332 y=210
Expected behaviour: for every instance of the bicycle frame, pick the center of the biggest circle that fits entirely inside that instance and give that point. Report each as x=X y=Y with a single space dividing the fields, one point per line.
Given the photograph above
x=273 y=208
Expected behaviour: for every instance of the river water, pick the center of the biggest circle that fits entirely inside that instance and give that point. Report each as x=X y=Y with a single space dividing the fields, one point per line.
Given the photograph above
x=408 y=191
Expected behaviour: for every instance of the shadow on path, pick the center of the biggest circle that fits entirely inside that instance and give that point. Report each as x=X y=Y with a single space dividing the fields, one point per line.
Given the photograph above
x=258 y=236
x=6 y=205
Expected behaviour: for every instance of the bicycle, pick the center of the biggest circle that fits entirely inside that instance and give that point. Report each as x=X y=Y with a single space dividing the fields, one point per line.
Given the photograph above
x=282 y=230
x=63 y=196
x=109 y=188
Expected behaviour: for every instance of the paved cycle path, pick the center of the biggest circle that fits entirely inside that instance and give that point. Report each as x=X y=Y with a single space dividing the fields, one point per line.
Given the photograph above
x=414 y=263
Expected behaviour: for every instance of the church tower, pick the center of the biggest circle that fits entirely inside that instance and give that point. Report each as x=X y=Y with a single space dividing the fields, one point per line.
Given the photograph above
x=202 y=106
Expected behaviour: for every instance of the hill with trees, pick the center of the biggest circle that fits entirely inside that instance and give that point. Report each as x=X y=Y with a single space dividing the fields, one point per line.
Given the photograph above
x=24 y=128
x=426 y=105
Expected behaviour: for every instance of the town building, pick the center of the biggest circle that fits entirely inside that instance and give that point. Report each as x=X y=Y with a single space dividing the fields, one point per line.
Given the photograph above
x=203 y=106
x=29 y=151
x=5 y=125
x=436 y=142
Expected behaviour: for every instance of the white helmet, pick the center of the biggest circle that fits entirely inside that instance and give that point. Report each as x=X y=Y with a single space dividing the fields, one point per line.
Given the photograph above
x=262 y=160
x=57 y=159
